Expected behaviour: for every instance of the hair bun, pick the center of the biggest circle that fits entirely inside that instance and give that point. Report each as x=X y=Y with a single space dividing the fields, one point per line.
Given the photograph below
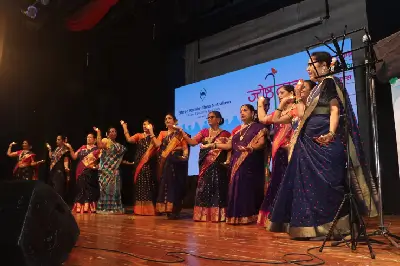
x=222 y=121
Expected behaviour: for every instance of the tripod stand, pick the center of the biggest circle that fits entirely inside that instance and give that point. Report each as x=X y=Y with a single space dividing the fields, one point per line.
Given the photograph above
x=356 y=222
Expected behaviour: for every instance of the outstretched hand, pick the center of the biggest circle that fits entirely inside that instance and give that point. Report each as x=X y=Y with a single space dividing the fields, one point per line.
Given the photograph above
x=245 y=149
x=205 y=146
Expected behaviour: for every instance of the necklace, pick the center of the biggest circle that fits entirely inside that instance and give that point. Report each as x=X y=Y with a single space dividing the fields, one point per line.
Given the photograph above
x=211 y=136
x=247 y=128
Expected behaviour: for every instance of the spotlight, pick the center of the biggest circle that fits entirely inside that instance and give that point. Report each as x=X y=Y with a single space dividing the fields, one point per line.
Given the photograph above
x=32 y=10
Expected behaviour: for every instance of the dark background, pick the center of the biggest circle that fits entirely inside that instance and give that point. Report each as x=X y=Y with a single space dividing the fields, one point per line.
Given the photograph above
x=53 y=81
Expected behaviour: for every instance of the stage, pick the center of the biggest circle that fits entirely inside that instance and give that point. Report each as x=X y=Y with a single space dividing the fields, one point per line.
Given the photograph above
x=153 y=237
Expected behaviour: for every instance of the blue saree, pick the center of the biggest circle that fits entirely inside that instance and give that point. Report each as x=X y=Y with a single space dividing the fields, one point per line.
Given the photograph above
x=314 y=184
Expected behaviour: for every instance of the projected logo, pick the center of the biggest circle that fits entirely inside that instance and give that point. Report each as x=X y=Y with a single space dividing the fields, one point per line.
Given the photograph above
x=203 y=94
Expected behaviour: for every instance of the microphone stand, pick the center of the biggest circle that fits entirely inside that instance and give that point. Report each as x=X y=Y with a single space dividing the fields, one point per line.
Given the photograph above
x=370 y=86
x=357 y=224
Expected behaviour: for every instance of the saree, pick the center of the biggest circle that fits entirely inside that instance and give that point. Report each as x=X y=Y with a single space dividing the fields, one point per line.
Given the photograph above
x=212 y=185
x=315 y=181
x=283 y=134
x=109 y=179
x=171 y=173
x=145 y=180
x=23 y=169
x=87 y=175
x=246 y=185
x=58 y=176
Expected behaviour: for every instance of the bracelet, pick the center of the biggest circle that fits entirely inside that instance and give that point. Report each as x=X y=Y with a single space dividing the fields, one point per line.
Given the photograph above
x=280 y=110
x=333 y=134
x=152 y=136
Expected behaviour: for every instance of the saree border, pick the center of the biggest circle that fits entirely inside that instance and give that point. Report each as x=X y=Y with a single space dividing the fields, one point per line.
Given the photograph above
x=356 y=171
x=173 y=143
x=244 y=154
x=64 y=151
x=342 y=227
x=145 y=158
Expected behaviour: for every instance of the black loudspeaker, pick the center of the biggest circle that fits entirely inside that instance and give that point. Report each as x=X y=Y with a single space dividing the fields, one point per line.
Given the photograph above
x=36 y=225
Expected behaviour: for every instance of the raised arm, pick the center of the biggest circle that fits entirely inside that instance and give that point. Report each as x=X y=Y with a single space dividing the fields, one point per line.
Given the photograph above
x=131 y=139
x=49 y=149
x=100 y=143
x=277 y=116
x=300 y=105
x=262 y=115
x=9 y=153
x=156 y=141
x=74 y=155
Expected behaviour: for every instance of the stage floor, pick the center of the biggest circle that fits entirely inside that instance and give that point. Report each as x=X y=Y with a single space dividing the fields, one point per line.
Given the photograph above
x=153 y=237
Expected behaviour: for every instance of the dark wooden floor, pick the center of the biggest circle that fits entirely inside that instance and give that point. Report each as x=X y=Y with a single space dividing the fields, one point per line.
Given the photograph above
x=153 y=237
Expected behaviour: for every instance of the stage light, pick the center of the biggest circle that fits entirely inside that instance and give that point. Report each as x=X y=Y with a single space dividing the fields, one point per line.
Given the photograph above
x=32 y=10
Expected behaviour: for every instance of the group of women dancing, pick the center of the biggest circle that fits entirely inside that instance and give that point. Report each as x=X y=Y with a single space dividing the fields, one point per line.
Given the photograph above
x=300 y=195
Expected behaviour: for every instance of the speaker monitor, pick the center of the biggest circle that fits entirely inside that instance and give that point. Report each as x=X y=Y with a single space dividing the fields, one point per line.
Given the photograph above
x=36 y=225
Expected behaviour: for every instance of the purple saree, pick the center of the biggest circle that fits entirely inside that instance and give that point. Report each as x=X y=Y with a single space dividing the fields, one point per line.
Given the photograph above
x=247 y=177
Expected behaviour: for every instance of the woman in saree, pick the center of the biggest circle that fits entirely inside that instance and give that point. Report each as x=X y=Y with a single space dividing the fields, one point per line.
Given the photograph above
x=111 y=157
x=26 y=167
x=268 y=145
x=212 y=185
x=144 y=176
x=59 y=166
x=246 y=178
x=172 y=167
x=282 y=135
x=315 y=180
x=87 y=180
